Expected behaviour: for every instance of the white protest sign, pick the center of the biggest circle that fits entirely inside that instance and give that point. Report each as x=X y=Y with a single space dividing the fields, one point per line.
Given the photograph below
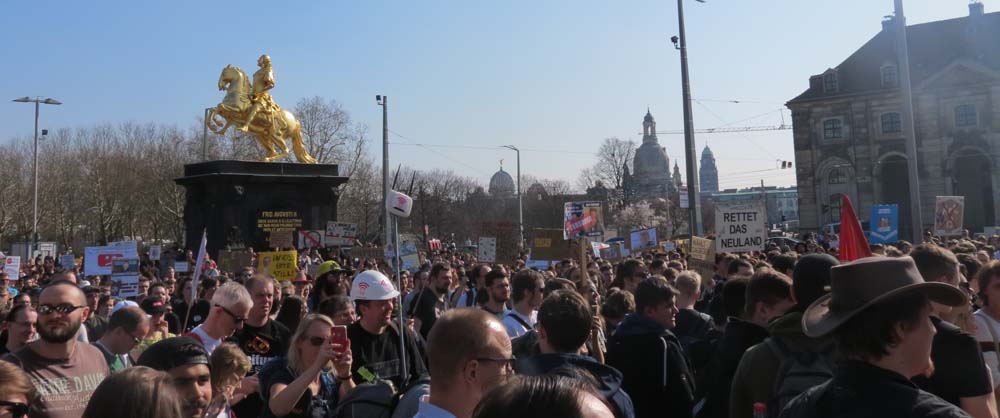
x=97 y=260
x=125 y=277
x=181 y=266
x=740 y=227
x=340 y=234
x=12 y=266
x=487 y=249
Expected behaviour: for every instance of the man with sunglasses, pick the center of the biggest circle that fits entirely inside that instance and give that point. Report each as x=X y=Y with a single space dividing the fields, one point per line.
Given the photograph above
x=65 y=372
x=231 y=305
x=126 y=329
x=261 y=338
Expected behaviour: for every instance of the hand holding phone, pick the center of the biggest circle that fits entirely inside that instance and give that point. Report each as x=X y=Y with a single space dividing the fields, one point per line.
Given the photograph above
x=338 y=335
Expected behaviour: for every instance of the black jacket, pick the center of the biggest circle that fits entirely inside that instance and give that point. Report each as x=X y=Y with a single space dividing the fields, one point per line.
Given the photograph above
x=739 y=336
x=657 y=374
x=609 y=380
x=861 y=390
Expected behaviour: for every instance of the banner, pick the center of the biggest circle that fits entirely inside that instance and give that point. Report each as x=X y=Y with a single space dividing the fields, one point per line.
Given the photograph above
x=948 y=212
x=549 y=244
x=740 y=227
x=310 y=239
x=582 y=219
x=487 y=249
x=12 y=266
x=642 y=239
x=508 y=237
x=884 y=224
x=280 y=264
x=97 y=260
x=67 y=261
x=125 y=277
x=340 y=234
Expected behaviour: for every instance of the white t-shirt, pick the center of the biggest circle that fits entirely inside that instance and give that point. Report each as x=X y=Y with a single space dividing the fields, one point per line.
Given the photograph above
x=984 y=324
x=210 y=343
x=514 y=327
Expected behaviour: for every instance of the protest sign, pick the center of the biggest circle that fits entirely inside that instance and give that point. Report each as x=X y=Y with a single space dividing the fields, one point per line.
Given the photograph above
x=549 y=244
x=487 y=249
x=507 y=237
x=409 y=252
x=615 y=251
x=702 y=257
x=234 y=261
x=154 y=252
x=279 y=264
x=582 y=219
x=884 y=224
x=12 y=266
x=538 y=264
x=371 y=253
x=310 y=239
x=740 y=226
x=47 y=249
x=642 y=239
x=597 y=246
x=67 y=261
x=280 y=239
x=125 y=277
x=668 y=246
x=97 y=260
x=340 y=234
x=948 y=213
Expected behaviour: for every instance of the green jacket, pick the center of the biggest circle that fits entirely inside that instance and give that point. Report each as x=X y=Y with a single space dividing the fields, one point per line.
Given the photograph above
x=754 y=379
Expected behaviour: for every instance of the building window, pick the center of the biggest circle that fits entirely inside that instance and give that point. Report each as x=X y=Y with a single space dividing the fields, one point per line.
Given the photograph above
x=965 y=115
x=837 y=176
x=890 y=77
x=833 y=129
x=891 y=123
x=830 y=84
x=835 y=207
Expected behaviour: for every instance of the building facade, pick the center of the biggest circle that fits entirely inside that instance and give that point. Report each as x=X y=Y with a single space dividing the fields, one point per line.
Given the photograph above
x=848 y=130
x=781 y=203
x=708 y=173
x=650 y=176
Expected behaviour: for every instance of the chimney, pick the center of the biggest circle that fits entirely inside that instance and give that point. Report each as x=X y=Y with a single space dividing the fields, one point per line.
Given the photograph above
x=975 y=9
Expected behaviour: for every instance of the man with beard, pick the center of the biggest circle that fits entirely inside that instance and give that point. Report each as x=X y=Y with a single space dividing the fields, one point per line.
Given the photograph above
x=64 y=371
x=469 y=354
x=261 y=338
x=430 y=303
x=186 y=361
x=498 y=287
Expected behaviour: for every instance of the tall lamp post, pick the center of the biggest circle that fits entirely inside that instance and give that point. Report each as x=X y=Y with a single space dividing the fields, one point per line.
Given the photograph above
x=903 y=56
x=694 y=205
x=384 y=102
x=520 y=205
x=34 y=223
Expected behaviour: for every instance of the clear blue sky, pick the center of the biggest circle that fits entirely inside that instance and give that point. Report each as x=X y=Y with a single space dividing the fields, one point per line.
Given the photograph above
x=546 y=75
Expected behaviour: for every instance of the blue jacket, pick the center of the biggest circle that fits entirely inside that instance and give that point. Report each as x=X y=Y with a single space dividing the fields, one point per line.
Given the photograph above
x=608 y=378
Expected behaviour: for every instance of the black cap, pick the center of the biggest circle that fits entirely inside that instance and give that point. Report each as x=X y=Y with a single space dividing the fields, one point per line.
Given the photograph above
x=173 y=352
x=153 y=306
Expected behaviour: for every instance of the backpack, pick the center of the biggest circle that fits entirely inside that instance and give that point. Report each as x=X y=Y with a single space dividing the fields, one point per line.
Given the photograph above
x=378 y=399
x=798 y=372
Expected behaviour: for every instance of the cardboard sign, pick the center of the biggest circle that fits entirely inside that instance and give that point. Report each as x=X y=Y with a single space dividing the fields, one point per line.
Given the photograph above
x=234 y=261
x=642 y=239
x=279 y=264
x=701 y=250
x=125 y=277
x=507 y=237
x=948 y=213
x=67 y=262
x=884 y=224
x=582 y=219
x=12 y=266
x=371 y=253
x=280 y=239
x=740 y=226
x=487 y=250
x=340 y=234
x=549 y=244
x=310 y=239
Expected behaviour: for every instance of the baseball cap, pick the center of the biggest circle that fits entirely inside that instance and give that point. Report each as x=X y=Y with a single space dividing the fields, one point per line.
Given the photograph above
x=153 y=306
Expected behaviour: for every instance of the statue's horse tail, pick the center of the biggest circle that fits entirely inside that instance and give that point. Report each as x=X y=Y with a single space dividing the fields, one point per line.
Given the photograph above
x=298 y=145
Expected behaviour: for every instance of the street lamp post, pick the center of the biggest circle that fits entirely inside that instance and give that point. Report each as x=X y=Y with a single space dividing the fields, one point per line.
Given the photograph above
x=520 y=205
x=903 y=56
x=34 y=223
x=694 y=204
x=384 y=102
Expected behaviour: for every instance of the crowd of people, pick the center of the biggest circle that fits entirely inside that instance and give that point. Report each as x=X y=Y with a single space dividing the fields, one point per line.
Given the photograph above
x=789 y=332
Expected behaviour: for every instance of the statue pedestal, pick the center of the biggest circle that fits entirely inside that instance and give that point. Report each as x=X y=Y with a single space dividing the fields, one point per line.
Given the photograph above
x=251 y=204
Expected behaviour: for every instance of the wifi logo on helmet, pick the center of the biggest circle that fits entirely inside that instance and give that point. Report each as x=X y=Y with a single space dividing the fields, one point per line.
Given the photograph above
x=362 y=287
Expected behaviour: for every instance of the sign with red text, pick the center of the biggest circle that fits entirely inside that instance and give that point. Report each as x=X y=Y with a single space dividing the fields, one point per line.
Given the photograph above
x=582 y=219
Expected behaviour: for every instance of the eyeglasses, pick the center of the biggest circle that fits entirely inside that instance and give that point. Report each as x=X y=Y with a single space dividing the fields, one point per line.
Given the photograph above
x=62 y=308
x=504 y=362
x=17 y=409
x=236 y=319
x=135 y=339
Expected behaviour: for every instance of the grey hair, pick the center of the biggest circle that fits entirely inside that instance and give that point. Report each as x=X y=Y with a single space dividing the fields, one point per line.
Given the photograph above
x=232 y=294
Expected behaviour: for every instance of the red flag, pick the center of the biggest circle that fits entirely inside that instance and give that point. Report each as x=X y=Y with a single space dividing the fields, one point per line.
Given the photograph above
x=853 y=244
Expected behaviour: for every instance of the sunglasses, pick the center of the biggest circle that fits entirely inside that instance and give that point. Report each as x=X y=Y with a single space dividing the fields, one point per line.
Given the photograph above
x=504 y=362
x=316 y=341
x=62 y=308
x=17 y=409
x=236 y=319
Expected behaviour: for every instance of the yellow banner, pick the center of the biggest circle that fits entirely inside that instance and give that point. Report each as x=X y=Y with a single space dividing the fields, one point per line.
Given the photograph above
x=280 y=264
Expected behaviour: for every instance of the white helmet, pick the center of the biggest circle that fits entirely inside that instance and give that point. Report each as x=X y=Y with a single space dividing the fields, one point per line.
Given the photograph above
x=372 y=285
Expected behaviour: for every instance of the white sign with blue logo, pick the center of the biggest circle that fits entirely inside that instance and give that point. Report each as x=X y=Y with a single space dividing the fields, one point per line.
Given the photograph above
x=884 y=224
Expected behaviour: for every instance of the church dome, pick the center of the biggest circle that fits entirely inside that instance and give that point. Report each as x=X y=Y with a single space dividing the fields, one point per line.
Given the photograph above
x=501 y=184
x=650 y=159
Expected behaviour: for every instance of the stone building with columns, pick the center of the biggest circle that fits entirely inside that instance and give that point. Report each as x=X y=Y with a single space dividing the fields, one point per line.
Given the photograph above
x=848 y=131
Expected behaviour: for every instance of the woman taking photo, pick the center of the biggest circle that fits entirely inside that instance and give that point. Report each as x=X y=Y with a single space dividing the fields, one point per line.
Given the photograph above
x=312 y=379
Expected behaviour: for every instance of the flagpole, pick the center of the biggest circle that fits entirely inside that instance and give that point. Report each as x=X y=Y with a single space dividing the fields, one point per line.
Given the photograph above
x=197 y=275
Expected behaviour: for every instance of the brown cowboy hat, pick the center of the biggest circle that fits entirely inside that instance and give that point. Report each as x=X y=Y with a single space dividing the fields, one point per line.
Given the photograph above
x=857 y=285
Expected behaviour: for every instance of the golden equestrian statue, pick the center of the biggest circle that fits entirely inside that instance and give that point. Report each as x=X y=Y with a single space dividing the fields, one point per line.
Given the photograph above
x=253 y=110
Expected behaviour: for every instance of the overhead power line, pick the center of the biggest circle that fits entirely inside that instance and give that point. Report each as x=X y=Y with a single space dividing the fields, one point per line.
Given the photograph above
x=781 y=127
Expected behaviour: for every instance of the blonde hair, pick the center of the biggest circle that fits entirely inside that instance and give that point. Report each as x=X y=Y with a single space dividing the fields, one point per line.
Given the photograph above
x=14 y=381
x=229 y=364
x=294 y=356
x=688 y=282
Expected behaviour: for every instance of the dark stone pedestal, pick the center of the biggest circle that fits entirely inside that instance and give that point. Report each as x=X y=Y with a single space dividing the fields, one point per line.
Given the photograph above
x=241 y=203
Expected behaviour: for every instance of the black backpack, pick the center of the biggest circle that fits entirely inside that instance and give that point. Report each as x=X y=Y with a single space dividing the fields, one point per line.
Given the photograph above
x=798 y=372
x=378 y=399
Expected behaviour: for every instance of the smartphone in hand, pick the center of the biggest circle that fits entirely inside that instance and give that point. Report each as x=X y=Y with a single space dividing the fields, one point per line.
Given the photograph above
x=338 y=335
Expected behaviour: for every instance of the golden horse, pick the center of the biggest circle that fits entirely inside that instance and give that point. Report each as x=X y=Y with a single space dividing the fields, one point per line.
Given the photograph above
x=234 y=109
